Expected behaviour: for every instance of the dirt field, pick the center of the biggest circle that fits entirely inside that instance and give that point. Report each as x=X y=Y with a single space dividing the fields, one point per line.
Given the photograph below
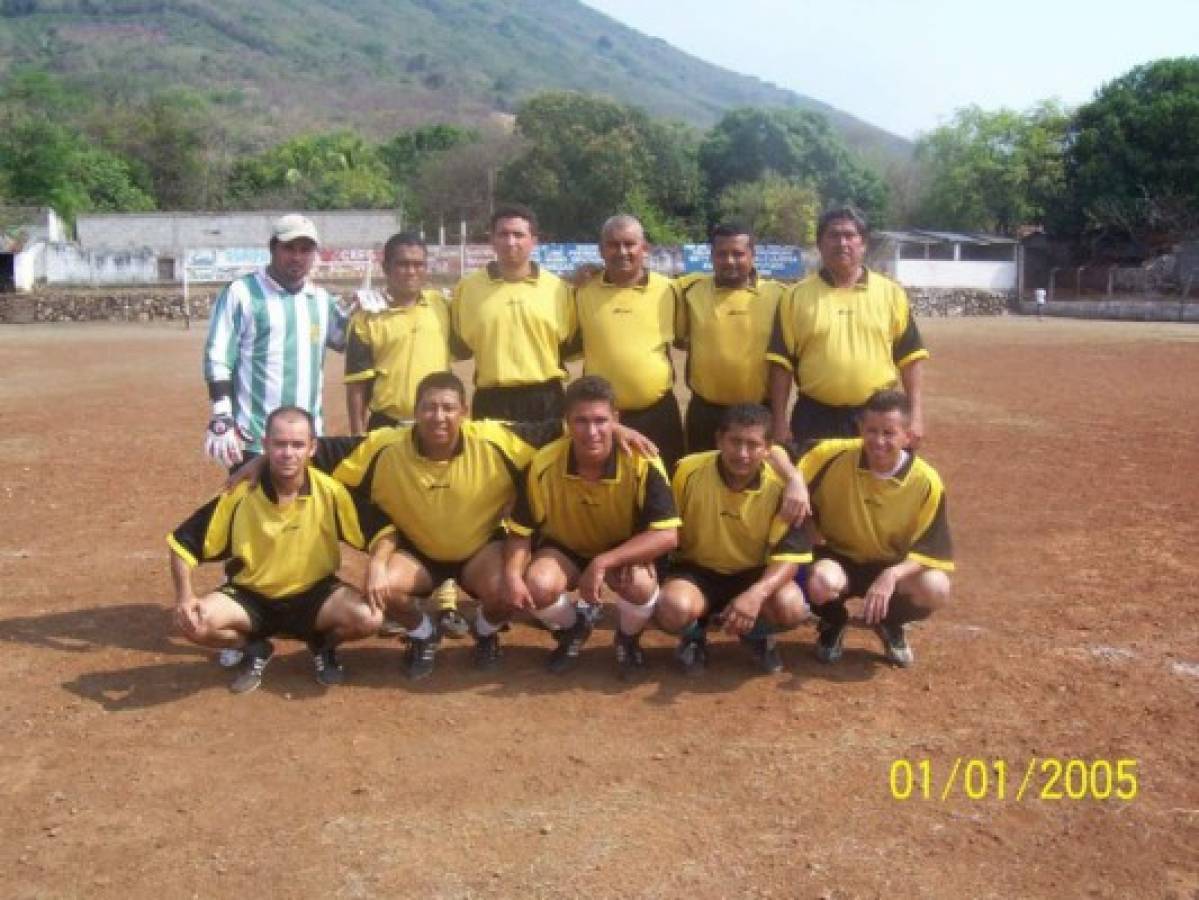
x=127 y=768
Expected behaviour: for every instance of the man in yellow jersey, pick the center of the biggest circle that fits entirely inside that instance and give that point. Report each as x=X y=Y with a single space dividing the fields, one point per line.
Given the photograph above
x=589 y=514
x=390 y=351
x=445 y=483
x=387 y=355
x=881 y=513
x=842 y=334
x=514 y=317
x=626 y=327
x=724 y=321
x=280 y=538
x=736 y=560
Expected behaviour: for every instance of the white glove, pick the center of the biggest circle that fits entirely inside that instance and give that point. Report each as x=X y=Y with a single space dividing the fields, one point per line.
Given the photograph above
x=223 y=442
x=370 y=300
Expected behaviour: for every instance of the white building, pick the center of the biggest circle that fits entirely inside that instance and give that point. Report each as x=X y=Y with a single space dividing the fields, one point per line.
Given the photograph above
x=946 y=259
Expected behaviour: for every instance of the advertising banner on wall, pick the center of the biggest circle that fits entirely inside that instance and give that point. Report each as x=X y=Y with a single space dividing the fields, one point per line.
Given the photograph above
x=771 y=260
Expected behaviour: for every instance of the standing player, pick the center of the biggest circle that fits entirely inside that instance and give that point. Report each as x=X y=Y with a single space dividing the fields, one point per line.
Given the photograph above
x=881 y=511
x=626 y=326
x=390 y=351
x=514 y=317
x=280 y=540
x=843 y=333
x=266 y=344
x=736 y=560
x=600 y=515
x=724 y=321
x=387 y=355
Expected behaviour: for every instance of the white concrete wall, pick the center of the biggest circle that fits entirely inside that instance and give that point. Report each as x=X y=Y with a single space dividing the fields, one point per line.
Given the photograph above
x=28 y=265
x=932 y=273
x=170 y=234
x=68 y=264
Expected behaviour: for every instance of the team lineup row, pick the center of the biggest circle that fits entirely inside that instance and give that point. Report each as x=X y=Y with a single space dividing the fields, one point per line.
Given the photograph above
x=580 y=509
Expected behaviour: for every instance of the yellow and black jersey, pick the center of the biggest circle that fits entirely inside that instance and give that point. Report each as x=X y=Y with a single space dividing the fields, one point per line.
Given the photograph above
x=278 y=551
x=626 y=333
x=396 y=348
x=726 y=332
x=731 y=531
x=844 y=344
x=514 y=329
x=447 y=509
x=877 y=520
x=590 y=517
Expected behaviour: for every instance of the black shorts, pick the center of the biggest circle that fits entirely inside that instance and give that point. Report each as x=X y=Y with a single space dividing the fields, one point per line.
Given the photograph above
x=582 y=562
x=293 y=616
x=440 y=569
x=520 y=403
x=718 y=588
x=813 y=421
x=703 y=418
x=860 y=575
x=662 y=424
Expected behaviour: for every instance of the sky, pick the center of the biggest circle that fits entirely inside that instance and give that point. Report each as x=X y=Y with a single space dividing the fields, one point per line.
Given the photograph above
x=906 y=65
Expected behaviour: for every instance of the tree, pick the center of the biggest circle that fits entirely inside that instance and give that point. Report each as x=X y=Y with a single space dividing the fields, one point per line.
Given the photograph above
x=993 y=170
x=42 y=163
x=798 y=145
x=589 y=157
x=334 y=170
x=459 y=184
x=777 y=209
x=1132 y=165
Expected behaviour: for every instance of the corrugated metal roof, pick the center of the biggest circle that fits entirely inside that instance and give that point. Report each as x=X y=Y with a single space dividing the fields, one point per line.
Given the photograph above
x=921 y=236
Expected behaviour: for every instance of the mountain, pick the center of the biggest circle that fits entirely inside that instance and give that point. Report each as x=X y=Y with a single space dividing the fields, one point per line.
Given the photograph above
x=283 y=67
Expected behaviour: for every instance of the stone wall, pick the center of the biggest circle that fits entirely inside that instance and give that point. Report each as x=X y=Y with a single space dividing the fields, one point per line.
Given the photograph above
x=959 y=302
x=116 y=305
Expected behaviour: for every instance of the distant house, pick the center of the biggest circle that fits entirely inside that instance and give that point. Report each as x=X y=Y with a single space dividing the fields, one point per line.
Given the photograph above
x=947 y=259
x=25 y=232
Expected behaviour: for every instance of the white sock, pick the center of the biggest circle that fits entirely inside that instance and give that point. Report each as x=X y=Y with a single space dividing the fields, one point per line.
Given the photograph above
x=559 y=614
x=633 y=618
x=423 y=631
x=483 y=628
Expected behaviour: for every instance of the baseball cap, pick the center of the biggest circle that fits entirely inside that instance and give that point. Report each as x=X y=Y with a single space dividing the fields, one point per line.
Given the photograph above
x=292 y=227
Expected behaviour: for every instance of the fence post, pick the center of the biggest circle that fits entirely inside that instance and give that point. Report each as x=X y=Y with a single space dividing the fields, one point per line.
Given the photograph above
x=1078 y=282
x=1052 y=282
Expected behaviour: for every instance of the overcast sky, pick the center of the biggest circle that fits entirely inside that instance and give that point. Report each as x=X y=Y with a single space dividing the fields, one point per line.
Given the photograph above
x=906 y=65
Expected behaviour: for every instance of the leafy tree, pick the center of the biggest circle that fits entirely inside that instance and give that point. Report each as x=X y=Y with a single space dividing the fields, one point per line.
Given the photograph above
x=1132 y=164
x=993 y=170
x=589 y=157
x=44 y=163
x=798 y=145
x=459 y=183
x=334 y=170
x=170 y=136
x=408 y=150
x=777 y=209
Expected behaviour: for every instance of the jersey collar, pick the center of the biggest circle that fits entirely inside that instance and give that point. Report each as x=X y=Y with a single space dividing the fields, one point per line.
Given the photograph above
x=459 y=446
x=751 y=285
x=754 y=487
x=900 y=476
x=267 y=484
x=859 y=285
x=640 y=285
x=611 y=464
x=493 y=272
x=277 y=288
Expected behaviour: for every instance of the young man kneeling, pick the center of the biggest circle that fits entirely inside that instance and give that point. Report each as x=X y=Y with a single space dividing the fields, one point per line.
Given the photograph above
x=737 y=559
x=280 y=538
x=882 y=514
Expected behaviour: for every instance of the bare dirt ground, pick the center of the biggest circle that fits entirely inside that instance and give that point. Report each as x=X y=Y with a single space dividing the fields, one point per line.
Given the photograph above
x=127 y=769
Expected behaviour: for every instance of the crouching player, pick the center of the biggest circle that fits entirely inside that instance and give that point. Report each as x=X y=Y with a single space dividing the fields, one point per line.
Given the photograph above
x=280 y=539
x=737 y=559
x=881 y=512
x=589 y=514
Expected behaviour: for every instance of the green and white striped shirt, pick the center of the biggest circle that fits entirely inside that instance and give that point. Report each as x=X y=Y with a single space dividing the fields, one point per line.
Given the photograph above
x=271 y=345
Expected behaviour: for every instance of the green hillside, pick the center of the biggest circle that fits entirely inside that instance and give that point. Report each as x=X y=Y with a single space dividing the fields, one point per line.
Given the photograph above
x=378 y=65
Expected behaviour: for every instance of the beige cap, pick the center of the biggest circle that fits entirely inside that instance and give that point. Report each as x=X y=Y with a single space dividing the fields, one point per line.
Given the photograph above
x=292 y=227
